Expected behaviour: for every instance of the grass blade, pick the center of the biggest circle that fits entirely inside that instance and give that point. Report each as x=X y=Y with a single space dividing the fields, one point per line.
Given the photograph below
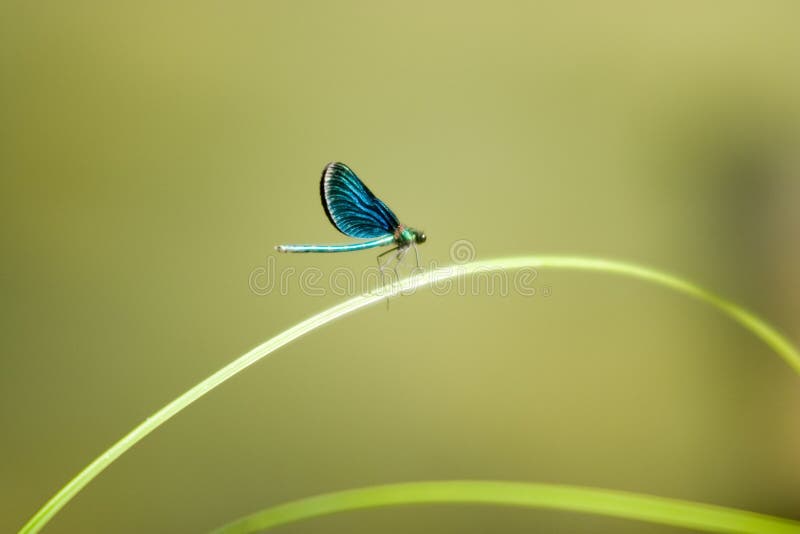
x=625 y=505
x=745 y=318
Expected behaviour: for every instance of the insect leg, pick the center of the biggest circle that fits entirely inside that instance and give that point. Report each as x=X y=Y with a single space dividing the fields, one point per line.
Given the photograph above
x=382 y=254
x=401 y=253
x=416 y=255
x=382 y=266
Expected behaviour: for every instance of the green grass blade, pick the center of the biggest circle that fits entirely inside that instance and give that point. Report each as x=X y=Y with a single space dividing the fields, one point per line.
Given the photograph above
x=569 y=498
x=747 y=319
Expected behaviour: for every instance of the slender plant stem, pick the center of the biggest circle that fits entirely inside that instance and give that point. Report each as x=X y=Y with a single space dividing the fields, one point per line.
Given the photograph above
x=747 y=319
x=672 y=512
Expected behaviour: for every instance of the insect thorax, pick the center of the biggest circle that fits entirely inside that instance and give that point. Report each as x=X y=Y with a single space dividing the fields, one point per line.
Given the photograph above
x=403 y=236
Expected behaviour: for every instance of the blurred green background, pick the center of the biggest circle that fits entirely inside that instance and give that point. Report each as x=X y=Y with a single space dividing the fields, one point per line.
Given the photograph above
x=153 y=154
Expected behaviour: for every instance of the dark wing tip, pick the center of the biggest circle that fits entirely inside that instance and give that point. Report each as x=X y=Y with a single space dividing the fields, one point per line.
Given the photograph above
x=330 y=167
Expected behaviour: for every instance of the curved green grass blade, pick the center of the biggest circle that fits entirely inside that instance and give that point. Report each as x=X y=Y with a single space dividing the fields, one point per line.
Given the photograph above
x=672 y=512
x=747 y=319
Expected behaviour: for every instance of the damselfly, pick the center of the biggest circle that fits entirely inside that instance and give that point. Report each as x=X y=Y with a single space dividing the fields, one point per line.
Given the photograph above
x=356 y=212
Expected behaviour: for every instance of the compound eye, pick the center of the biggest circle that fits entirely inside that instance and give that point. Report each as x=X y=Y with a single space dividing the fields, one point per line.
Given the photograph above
x=421 y=237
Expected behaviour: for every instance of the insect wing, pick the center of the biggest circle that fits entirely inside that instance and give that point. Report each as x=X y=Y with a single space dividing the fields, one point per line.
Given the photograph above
x=350 y=205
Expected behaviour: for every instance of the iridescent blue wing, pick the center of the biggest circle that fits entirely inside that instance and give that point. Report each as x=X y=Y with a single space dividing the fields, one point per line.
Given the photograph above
x=350 y=205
